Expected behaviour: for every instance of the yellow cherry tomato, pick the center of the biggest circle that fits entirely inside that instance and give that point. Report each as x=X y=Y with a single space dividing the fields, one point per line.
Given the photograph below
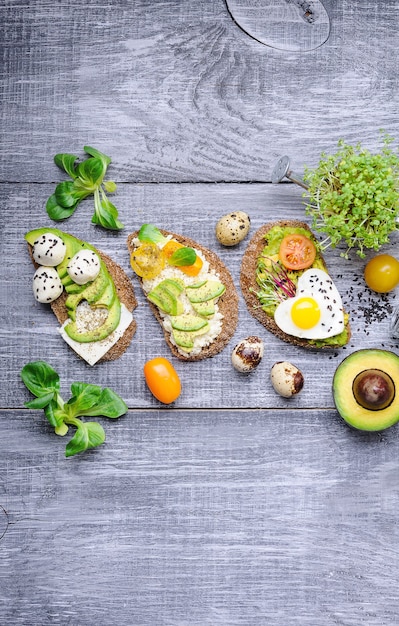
x=147 y=260
x=382 y=273
x=162 y=380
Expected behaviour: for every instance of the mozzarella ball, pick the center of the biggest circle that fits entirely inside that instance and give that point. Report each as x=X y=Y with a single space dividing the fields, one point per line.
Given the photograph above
x=247 y=354
x=287 y=379
x=232 y=228
x=84 y=267
x=49 y=250
x=47 y=285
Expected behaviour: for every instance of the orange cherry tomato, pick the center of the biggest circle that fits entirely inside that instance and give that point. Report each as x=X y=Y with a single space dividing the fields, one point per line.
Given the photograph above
x=162 y=380
x=191 y=270
x=147 y=260
x=382 y=273
x=297 y=252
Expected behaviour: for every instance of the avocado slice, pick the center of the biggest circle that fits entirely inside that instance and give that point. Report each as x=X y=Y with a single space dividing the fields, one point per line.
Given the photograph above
x=188 y=322
x=101 y=292
x=208 y=291
x=206 y=309
x=185 y=339
x=366 y=389
x=99 y=333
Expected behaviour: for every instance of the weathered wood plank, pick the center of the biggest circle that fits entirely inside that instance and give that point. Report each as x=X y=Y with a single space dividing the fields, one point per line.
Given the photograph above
x=28 y=331
x=177 y=92
x=201 y=517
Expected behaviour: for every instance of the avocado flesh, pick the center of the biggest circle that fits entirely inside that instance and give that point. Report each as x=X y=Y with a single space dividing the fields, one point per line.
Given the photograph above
x=185 y=338
x=100 y=292
x=99 y=333
x=208 y=291
x=345 y=401
x=188 y=322
x=207 y=309
x=165 y=298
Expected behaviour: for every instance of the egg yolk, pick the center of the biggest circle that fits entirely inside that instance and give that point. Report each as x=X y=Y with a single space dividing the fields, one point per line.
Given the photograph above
x=305 y=312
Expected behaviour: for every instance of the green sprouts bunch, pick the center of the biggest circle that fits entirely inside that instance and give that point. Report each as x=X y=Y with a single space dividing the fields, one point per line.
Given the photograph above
x=353 y=196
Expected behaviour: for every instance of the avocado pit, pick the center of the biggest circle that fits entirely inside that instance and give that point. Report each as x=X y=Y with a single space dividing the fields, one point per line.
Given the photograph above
x=373 y=389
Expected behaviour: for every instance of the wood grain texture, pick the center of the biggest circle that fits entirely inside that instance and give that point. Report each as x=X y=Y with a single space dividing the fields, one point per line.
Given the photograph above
x=234 y=506
x=201 y=517
x=176 y=91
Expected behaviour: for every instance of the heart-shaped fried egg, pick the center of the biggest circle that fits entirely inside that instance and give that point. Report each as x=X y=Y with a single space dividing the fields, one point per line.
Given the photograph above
x=315 y=312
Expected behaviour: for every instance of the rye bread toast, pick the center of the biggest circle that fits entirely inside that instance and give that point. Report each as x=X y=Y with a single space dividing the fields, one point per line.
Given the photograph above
x=227 y=302
x=249 y=286
x=125 y=292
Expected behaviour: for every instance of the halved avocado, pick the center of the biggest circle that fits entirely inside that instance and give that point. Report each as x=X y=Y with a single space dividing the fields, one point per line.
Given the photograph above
x=366 y=389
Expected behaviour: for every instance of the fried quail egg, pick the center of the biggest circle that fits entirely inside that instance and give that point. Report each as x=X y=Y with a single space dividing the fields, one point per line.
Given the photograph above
x=315 y=312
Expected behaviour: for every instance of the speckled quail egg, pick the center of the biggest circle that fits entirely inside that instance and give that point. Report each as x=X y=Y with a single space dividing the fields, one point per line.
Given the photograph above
x=287 y=379
x=232 y=228
x=247 y=354
x=47 y=285
x=84 y=267
x=49 y=250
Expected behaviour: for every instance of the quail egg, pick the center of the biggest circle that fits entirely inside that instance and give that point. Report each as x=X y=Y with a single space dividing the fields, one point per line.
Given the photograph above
x=287 y=379
x=247 y=354
x=232 y=228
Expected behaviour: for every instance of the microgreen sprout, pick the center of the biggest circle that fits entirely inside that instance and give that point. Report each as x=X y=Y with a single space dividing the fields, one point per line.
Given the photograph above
x=274 y=282
x=87 y=179
x=353 y=197
x=87 y=400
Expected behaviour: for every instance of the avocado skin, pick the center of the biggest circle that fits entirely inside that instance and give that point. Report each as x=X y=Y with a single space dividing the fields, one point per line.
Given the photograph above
x=99 y=292
x=346 y=404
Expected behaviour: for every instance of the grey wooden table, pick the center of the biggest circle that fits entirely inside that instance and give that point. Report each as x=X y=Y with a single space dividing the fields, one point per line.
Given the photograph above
x=234 y=506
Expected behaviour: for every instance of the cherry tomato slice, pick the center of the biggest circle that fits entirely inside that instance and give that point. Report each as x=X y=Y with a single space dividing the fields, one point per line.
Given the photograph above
x=191 y=270
x=162 y=380
x=297 y=252
x=382 y=273
x=147 y=260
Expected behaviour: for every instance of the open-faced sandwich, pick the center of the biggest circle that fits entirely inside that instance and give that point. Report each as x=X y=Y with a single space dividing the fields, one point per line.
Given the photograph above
x=189 y=289
x=286 y=287
x=91 y=295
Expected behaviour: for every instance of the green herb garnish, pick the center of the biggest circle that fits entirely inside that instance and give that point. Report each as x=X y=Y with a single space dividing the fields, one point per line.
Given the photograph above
x=87 y=400
x=182 y=257
x=353 y=196
x=87 y=179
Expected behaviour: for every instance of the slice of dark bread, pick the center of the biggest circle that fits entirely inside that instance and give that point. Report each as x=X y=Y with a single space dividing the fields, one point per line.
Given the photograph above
x=249 y=285
x=228 y=302
x=124 y=289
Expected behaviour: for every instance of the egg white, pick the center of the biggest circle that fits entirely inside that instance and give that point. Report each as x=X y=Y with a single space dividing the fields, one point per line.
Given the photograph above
x=318 y=285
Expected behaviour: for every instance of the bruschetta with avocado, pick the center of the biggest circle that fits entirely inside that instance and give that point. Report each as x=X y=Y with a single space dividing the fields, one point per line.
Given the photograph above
x=189 y=289
x=91 y=295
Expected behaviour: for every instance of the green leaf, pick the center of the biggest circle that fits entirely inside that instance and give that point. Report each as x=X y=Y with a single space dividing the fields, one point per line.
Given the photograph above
x=67 y=195
x=109 y=404
x=91 y=173
x=149 y=233
x=84 y=397
x=182 y=257
x=97 y=154
x=54 y=414
x=106 y=213
x=88 y=435
x=57 y=212
x=40 y=378
x=66 y=162
x=40 y=403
